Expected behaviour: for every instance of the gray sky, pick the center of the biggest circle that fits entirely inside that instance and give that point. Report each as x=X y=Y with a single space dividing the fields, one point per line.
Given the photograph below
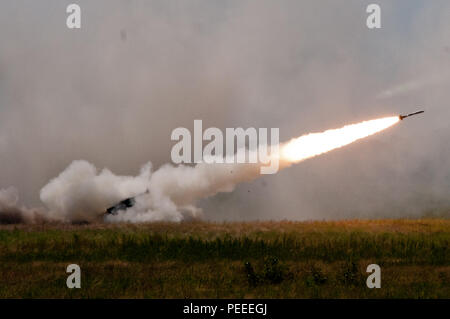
x=113 y=91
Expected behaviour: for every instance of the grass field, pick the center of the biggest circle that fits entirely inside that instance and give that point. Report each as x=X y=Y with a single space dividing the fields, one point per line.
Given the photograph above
x=228 y=260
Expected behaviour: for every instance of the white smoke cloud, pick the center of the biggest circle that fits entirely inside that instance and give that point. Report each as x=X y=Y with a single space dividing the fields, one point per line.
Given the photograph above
x=81 y=193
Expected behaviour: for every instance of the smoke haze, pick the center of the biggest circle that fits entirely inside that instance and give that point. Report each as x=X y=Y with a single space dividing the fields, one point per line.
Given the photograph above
x=112 y=92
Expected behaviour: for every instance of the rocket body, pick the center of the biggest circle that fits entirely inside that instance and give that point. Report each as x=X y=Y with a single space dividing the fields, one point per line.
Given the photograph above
x=410 y=114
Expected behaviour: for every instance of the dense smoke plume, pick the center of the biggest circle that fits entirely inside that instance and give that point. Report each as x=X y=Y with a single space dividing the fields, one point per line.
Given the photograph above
x=112 y=92
x=81 y=193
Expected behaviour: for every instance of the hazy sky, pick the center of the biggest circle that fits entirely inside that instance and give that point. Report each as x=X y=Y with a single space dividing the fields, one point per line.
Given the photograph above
x=113 y=91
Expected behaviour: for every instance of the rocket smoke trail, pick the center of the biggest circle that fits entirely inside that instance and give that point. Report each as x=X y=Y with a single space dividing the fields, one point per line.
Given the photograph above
x=80 y=192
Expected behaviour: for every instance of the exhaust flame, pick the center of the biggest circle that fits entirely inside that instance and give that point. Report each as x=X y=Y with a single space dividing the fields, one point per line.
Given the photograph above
x=310 y=145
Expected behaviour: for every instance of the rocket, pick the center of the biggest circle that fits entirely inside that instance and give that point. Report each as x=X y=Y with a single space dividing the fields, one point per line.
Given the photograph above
x=410 y=114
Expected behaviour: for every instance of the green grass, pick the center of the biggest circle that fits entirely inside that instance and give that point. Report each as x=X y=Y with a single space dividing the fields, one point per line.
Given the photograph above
x=228 y=260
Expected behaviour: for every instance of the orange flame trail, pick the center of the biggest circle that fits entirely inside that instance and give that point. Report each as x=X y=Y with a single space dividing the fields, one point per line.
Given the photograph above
x=313 y=144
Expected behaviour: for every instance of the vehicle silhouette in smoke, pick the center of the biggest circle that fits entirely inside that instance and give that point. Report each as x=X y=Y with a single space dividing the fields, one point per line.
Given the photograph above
x=410 y=114
x=123 y=205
